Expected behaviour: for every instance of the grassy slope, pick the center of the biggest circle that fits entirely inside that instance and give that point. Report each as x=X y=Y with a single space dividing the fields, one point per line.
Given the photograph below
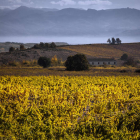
x=106 y=51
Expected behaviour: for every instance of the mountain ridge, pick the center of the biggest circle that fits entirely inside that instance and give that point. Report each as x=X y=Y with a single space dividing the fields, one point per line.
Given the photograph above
x=69 y=21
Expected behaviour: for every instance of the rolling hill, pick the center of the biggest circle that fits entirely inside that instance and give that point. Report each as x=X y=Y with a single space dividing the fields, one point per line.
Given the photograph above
x=106 y=50
x=62 y=52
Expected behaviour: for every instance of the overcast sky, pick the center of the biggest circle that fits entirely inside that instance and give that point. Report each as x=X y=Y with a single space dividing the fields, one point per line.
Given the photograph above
x=60 y=4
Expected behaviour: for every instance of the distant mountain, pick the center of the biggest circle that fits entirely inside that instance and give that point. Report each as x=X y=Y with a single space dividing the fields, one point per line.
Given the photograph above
x=44 y=21
x=48 y=9
x=129 y=33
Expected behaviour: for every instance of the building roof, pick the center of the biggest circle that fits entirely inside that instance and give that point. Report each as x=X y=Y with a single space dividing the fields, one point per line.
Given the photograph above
x=101 y=59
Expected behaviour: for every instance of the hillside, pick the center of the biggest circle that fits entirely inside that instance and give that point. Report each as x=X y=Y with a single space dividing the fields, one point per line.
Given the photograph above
x=91 y=51
x=4 y=46
x=106 y=50
x=33 y=54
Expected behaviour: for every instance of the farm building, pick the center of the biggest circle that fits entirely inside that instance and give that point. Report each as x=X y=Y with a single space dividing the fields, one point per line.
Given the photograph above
x=102 y=61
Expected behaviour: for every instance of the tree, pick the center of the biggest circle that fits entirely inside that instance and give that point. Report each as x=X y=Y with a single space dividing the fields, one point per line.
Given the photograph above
x=11 y=49
x=44 y=61
x=54 y=60
x=22 y=47
x=113 y=40
x=109 y=41
x=77 y=62
x=118 y=41
x=36 y=46
x=41 y=45
x=69 y=63
x=46 y=45
x=124 y=56
x=53 y=45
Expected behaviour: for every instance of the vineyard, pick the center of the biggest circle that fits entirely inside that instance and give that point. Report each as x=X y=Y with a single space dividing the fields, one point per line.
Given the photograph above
x=105 y=50
x=69 y=107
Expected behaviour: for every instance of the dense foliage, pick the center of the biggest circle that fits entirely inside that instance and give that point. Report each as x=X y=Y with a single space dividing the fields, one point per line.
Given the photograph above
x=77 y=62
x=45 y=45
x=57 y=107
x=11 y=49
x=114 y=41
x=124 y=56
x=22 y=47
x=44 y=61
x=131 y=62
x=53 y=45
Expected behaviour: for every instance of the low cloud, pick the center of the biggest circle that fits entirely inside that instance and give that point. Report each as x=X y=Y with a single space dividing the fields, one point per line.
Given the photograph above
x=10 y=7
x=21 y=1
x=64 y=2
x=81 y=2
x=94 y=2
x=15 y=1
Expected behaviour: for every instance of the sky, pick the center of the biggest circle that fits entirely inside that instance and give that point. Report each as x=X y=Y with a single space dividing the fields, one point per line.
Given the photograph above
x=60 y=4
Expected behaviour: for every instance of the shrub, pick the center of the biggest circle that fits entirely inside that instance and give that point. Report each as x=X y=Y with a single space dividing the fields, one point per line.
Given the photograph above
x=13 y=63
x=11 y=49
x=69 y=64
x=104 y=65
x=44 y=61
x=123 y=71
x=124 y=56
x=131 y=62
x=36 y=46
x=46 y=45
x=137 y=71
x=22 y=47
x=77 y=62
x=33 y=62
x=41 y=44
x=126 y=71
x=53 y=45
x=25 y=62
x=54 y=60
x=113 y=66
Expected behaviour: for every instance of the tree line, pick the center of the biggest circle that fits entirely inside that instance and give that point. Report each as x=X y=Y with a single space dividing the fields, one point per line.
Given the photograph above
x=44 y=45
x=114 y=41
x=36 y=46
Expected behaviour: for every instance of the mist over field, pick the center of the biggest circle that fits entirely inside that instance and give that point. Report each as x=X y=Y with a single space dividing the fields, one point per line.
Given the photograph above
x=69 y=39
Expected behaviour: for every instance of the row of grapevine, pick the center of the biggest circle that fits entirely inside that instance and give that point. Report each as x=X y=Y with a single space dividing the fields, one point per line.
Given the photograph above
x=72 y=107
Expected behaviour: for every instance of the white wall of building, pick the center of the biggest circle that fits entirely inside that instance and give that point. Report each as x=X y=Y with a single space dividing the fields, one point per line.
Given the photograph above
x=99 y=63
